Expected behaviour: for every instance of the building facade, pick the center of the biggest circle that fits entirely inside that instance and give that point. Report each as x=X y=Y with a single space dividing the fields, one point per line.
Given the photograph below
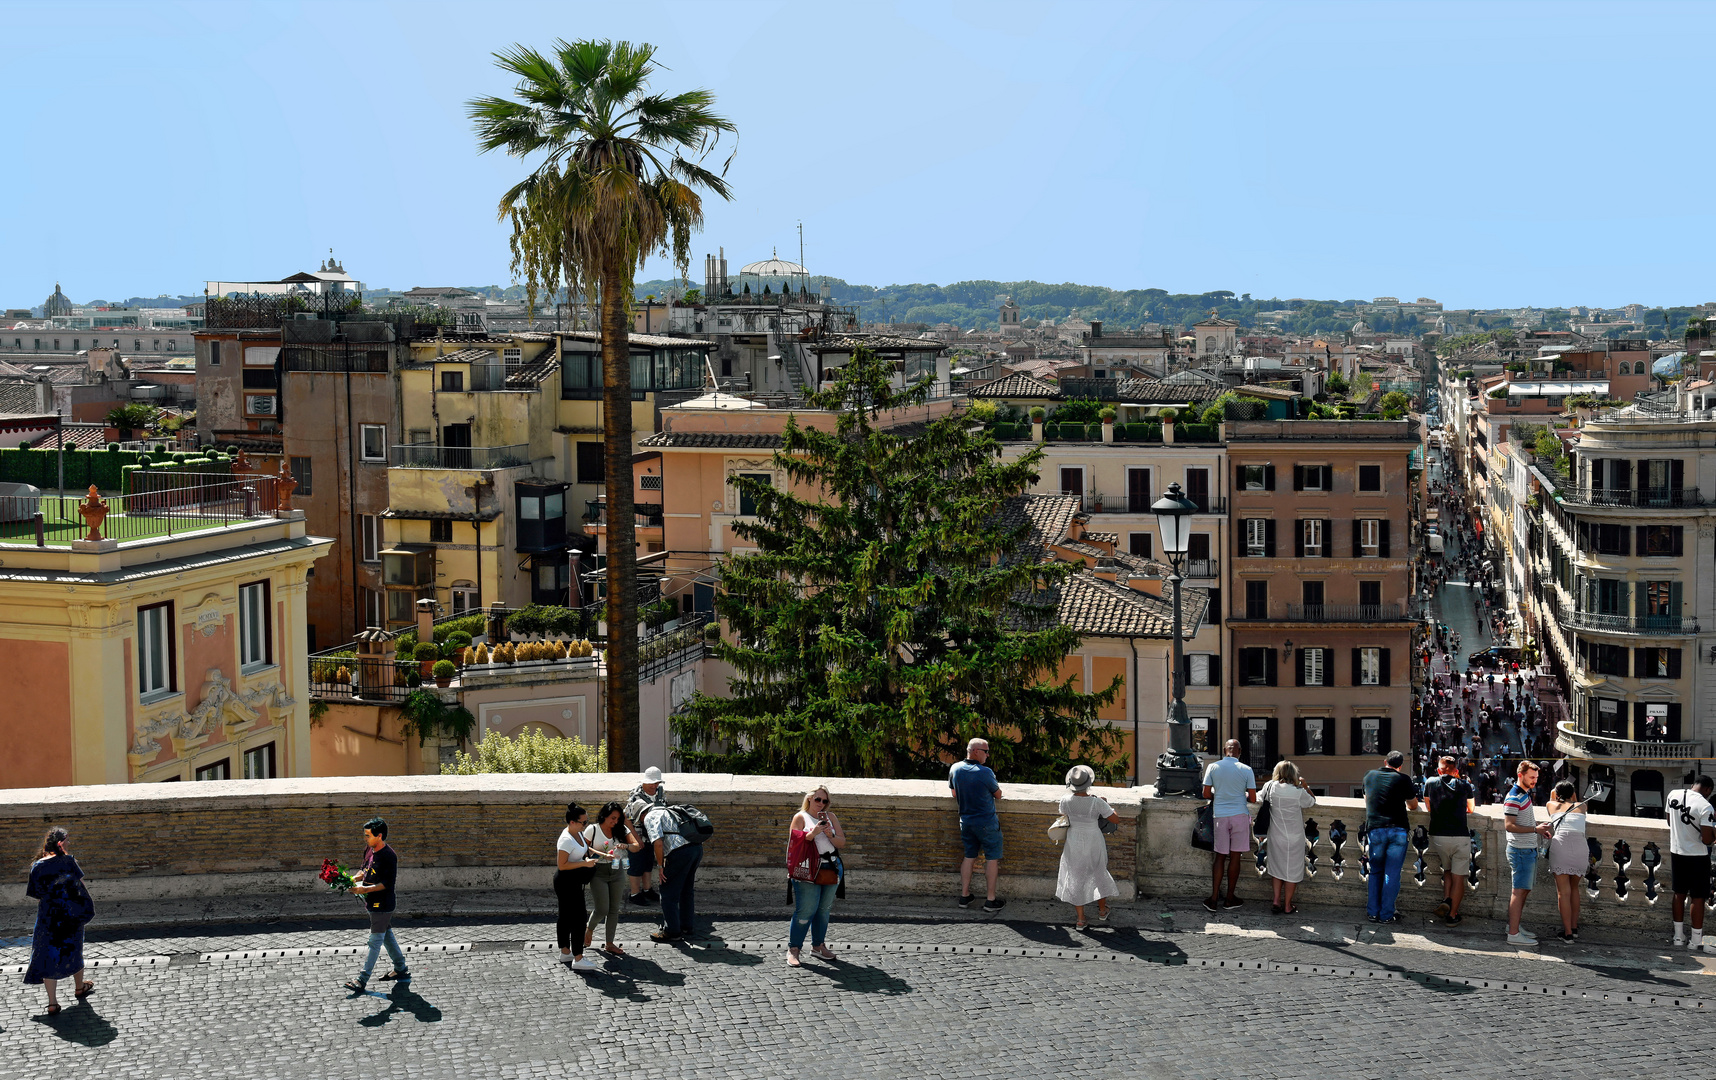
x=1621 y=545
x=155 y=656
x=1318 y=606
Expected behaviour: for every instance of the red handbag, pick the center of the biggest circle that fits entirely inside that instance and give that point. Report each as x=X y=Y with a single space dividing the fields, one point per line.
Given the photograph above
x=802 y=859
x=805 y=863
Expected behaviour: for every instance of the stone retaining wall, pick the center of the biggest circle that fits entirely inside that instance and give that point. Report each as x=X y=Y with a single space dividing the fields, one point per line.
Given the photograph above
x=231 y=837
x=454 y=832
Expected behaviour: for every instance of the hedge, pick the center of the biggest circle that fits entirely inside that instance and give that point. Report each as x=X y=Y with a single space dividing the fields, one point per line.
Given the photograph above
x=1138 y=432
x=1196 y=432
x=83 y=467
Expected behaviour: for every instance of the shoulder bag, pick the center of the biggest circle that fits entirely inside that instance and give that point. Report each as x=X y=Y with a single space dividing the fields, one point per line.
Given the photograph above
x=1058 y=829
x=1203 y=828
x=1260 y=823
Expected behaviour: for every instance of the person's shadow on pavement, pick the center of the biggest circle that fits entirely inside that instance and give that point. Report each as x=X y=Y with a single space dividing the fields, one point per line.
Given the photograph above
x=80 y=1024
x=404 y=999
x=858 y=978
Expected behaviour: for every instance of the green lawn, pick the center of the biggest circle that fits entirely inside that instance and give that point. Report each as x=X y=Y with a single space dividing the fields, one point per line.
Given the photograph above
x=62 y=524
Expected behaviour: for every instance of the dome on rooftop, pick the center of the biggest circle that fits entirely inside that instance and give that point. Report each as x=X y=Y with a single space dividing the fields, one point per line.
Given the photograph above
x=773 y=266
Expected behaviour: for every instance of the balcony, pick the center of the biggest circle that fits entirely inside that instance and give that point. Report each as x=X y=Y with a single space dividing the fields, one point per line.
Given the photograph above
x=429 y=456
x=1203 y=568
x=1206 y=504
x=162 y=505
x=1344 y=613
x=645 y=515
x=1645 y=499
x=1644 y=625
x=1607 y=748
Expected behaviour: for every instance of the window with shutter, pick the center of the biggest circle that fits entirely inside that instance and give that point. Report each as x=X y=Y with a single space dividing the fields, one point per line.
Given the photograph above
x=1382 y=538
x=1370 y=667
x=1311 y=662
x=1198 y=669
x=1370 y=534
x=1257 y=599
x=1256 y=537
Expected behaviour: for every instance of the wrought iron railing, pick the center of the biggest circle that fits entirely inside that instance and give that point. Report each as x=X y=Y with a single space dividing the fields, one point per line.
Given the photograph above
x=427 y=456
x=1665 y=625
x=1344 y=613
x=1647 y=498
x=163 y=504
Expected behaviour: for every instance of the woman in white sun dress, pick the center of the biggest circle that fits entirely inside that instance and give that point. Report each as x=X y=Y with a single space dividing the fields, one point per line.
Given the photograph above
x=1084 y=875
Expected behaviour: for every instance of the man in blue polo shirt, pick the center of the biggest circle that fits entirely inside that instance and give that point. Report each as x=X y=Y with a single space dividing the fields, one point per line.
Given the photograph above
x=1229 y=784
x=975 y=790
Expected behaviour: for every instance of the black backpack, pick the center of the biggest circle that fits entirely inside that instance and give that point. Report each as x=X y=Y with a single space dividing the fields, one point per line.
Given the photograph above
x=690 y=824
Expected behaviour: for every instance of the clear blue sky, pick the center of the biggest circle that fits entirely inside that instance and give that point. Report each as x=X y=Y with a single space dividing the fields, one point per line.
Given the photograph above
x=1482 y=154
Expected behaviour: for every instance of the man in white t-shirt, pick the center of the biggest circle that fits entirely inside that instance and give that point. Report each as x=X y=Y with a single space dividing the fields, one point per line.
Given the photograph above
x=1691 y=830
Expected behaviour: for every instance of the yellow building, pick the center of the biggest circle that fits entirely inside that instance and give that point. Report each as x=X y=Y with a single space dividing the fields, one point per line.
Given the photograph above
x=172 y=649
x=503 y=461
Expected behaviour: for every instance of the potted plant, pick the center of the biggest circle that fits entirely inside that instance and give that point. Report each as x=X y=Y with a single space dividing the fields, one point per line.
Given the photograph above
x=426 y=653
x=1169 y=416
x=1107 y=414
x=443 y=672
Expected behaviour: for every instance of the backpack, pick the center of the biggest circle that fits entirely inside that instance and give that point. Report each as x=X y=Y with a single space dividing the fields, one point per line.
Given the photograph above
x=690 y=824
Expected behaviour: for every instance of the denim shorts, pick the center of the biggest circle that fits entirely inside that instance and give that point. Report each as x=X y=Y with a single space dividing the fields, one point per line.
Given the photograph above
x=1524 y=863
x=984 y=836
x=641 y=861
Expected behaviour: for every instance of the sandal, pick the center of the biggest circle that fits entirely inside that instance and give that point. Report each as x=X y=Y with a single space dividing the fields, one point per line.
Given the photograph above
x=1292 y=911
x=53 y=1010
x=614 y=950
x=1081 y=926
x=1102 y=913
x=357 y=987
x=85 y=990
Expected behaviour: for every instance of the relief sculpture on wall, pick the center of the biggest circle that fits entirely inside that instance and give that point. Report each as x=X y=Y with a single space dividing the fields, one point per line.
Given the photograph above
x=220 y=704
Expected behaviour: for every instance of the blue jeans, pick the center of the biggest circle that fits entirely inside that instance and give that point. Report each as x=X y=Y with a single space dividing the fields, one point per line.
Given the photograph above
x=678 y=889
x=810 y=912
x=1387 y=855
x=376 y=941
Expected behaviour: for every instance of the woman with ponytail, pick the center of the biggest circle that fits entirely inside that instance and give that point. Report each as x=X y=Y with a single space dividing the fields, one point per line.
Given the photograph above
x=63 y=907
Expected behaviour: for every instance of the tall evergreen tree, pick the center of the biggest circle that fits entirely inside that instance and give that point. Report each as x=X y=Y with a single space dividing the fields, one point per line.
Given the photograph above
x=895 y=607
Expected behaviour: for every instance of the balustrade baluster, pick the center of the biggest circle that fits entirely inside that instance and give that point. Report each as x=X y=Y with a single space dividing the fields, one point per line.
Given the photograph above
x=1337 y=838
x=1477 y=849
x=1593 y=880
x=1651 y=858
x=1623 y=856
x=1310 y=846
x=1421 y=841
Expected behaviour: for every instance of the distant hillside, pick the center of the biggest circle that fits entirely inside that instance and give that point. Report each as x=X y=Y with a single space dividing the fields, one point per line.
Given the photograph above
x=974 y=304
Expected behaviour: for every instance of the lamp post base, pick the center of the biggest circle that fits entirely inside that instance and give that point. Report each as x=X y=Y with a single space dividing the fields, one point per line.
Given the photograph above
x=1178 y=773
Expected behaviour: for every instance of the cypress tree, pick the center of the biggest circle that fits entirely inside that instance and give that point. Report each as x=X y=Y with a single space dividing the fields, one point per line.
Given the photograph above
x=895 y=607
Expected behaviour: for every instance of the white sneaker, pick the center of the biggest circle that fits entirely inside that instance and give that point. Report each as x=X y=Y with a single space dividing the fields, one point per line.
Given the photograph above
x=1524 y=937
x=1679 y=941
x=585 y=964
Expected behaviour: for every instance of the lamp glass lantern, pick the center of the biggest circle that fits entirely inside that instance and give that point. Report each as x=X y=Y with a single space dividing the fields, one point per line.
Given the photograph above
x=1174 y=520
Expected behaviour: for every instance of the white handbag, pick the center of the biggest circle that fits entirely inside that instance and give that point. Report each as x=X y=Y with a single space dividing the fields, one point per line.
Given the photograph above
x=1058 y=830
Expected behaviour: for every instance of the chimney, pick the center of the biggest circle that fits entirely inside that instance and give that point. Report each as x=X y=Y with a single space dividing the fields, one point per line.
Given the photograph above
x=1096 y=328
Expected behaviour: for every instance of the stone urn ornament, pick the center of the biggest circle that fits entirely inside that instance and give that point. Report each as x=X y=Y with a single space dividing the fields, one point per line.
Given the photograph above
x=285 y=485
x=94 y=512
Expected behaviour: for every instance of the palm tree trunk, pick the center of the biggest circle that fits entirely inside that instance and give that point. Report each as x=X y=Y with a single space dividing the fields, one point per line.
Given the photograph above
x=622 y=651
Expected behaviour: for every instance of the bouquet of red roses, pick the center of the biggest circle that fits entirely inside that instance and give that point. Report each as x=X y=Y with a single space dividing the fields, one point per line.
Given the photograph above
x=339 y=879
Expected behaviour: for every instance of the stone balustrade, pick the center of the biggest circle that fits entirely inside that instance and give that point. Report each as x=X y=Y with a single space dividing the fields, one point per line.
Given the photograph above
x=241 y=837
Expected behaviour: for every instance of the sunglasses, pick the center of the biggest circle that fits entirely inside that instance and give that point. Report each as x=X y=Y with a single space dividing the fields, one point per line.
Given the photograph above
x=823 y=801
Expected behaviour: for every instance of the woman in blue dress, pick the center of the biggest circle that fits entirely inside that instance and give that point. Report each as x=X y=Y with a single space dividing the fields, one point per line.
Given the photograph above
x=56 y=881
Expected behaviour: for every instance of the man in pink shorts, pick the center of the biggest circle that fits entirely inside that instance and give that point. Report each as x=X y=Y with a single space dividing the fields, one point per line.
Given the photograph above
x=1229 y=784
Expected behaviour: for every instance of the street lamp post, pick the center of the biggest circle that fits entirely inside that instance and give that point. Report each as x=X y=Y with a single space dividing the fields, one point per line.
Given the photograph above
x=1177 y=771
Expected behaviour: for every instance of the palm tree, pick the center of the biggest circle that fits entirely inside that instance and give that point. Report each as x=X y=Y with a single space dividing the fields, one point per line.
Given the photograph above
x=618 y=180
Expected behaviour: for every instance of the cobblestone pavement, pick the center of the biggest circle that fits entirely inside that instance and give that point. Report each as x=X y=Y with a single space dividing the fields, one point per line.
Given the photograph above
x=932 y=994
